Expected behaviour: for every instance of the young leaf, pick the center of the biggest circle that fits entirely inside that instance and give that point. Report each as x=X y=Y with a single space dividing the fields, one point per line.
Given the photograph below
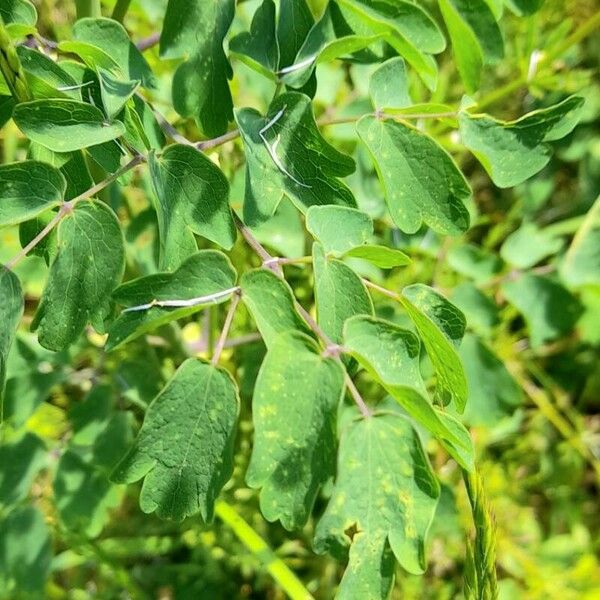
x=391 y=355
x=385 y=494
x=28 y=188
x=197 y=28
x=421 y=181
x=380 y=256
x=285 y=153
x=294 y=413
x=193 y=198
x=184 y=450
x=388 y=86
x=89 y=264
x=115 y=92
x=258 y=48
x=63 y=125
x=271 y=302
x=206 y=273
x=11 y=310
x=513 y=151
x=338 y=228
x=441 y=326
x=339 y=294
x=528 y=245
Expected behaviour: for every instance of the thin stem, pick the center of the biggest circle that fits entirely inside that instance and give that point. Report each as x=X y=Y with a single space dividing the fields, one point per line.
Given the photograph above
x=251 y=240
x=222 y=139
x=120 y=10
x=88 y=8
x=148 y=42
x=280 y=572
x=381 y=290
x=358 y=399
x=225 y=331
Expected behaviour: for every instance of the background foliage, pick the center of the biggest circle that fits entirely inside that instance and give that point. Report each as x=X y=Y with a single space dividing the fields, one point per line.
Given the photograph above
x=525 y=274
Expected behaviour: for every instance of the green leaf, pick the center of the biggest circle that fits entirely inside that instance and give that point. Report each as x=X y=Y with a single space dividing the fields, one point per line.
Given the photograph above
x=524 y=7
x=193 y=198
x=25 y=553
x=549 y=309
x=294 y=413
x=258 y=48
x=380 y=256
x=111 y=38
x=115 y=93
x=18 y=11
x=289 y=157
x=421 y=181
x=339 y=294
x=11 y=310
x=465 y=46
x=338 y=228
x=513 y=151
x=91 y=55
x=441 y=326
x=89 y=264
x=528 y=245
x=388 y=86
x=184 y=450
x=197 y=28
x=63 y=125
x=581 y=265
x=385 y=494
x=493 y=393
x=474 y=262
x=206 y=273
x=21 y=462
x=271 y=302
x=391 y=355
x=28 y=188
x=294 y=22
x=481 y=312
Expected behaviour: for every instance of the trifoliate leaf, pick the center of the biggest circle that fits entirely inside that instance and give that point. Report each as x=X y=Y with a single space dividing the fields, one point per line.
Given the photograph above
x=294 y=413
x=286 y=154
x=474 y=262
x=184 y=450
x=528 y=245
x=388 y=86
x=206 y=273
x=550 y=310
x=421 y=181
x=196 y=29
x=441 y=326
x=581 y=265
x=391 y=355
x=193 y=198
x=89 y=264
x=271 y=302
x=28 y=188
x=115 y=92
x=338 y=228
x=380 y=256
x=513 y=151
x=339 y=294
x=21 y=461
x=258 y=47
x=111 y=38
x=63 y=125
x=293 y=25
x=11 y=310
x=385 y=495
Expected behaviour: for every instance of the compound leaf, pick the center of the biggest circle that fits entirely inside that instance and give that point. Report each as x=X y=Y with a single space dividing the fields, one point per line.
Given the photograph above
x=421 y=181
x=184 y=450
x=294 y=412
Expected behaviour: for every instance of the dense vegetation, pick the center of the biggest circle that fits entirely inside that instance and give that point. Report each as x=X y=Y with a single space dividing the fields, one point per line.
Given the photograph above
x=300 y=298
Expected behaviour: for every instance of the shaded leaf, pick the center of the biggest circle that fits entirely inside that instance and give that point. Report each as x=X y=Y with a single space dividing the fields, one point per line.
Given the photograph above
x=480 y=310
x=474 y=262
x=115 y=92
x=294 y=22
x=528 y=245
x=11 y=310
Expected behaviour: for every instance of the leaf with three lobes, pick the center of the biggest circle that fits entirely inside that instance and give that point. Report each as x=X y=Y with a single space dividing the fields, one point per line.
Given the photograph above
x=441 y=326
x=184 y=450
x=205 y=273
x=89 y=264
x=513 y=151
x=294 y=412
x=28 y=188
x=391 y=355
x=339 y=294
x=193 y=198
x=384 y=498
x=11 y=310
x=270 y=300
x=338 y=228
x=63 y=125
x=196 y=29
x=421 y=181
x=286 y=154
x=258 y=47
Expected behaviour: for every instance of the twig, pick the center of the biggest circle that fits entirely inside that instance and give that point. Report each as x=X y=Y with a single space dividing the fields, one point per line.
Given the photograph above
x=222 y=139
x=148 y=42
x=225 y=331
